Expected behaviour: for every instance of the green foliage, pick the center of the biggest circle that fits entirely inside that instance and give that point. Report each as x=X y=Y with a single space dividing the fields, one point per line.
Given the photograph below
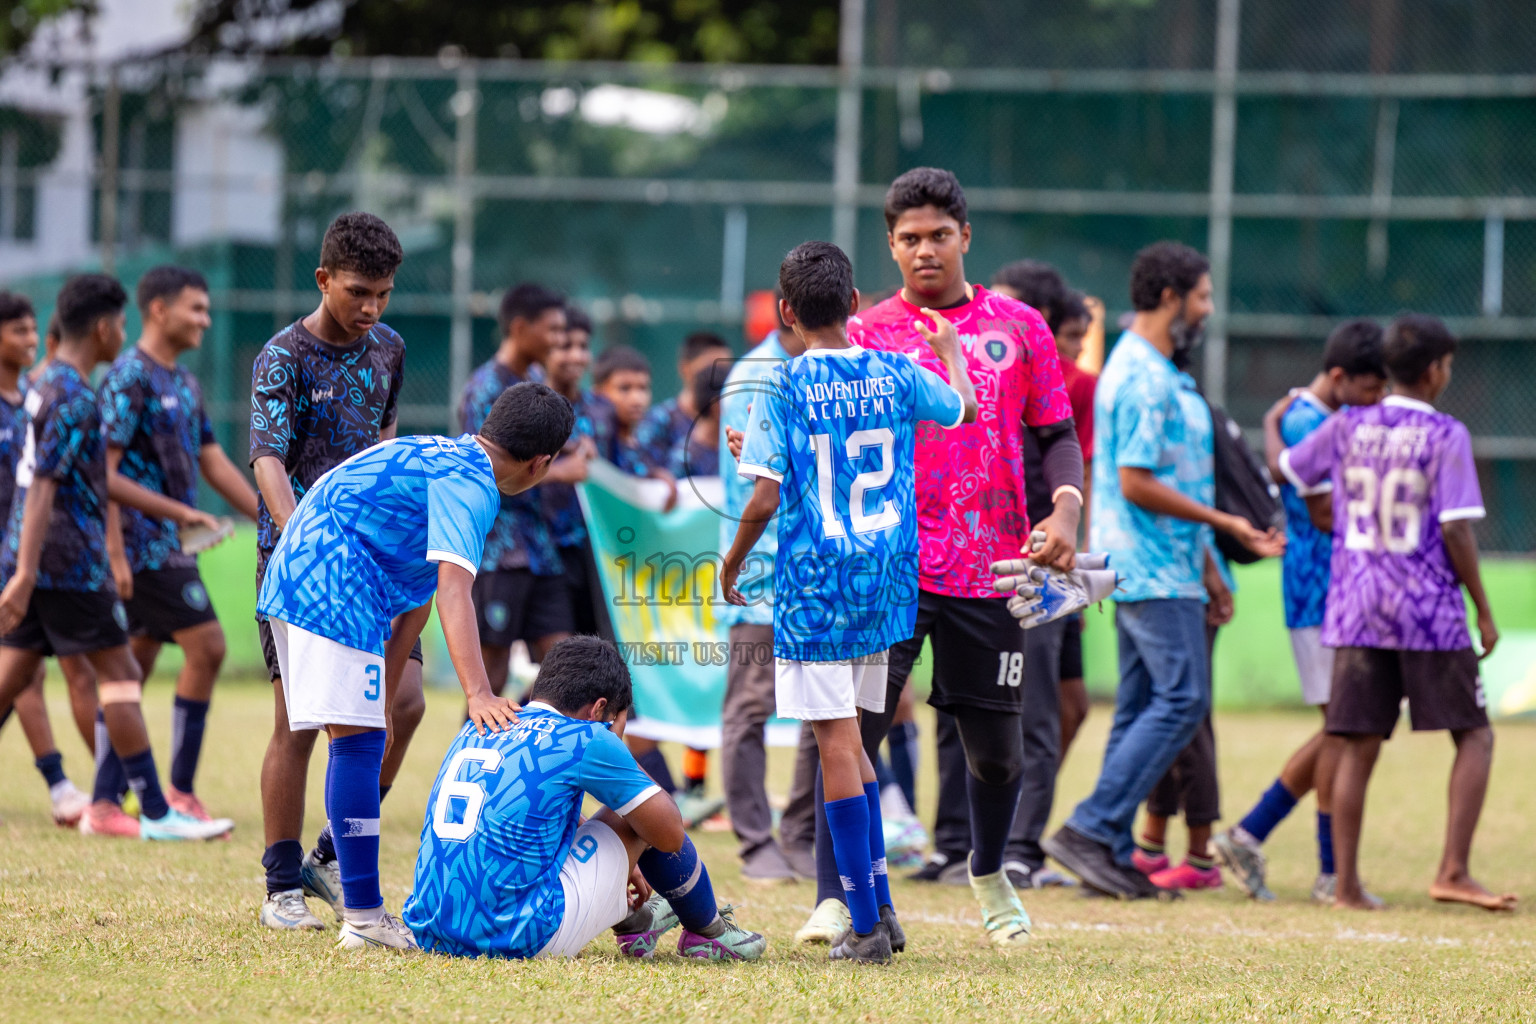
x=752 y=31
x=20 y=19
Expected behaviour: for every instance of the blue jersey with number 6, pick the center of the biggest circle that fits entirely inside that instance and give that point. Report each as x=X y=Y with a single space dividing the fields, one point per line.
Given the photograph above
x=836 y=428
x=500 y=823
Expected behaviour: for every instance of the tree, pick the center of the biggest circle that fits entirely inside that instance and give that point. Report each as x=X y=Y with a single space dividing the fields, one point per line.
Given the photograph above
x=20 y=19
x=747 y=31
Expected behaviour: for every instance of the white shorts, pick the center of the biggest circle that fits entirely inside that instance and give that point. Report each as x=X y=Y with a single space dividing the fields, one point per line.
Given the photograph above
x=327 y=683
x=817 y=690
x=1314 y=663
x=596 y=889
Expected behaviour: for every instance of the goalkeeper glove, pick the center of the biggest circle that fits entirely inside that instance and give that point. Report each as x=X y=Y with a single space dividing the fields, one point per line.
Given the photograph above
x=1042 y=595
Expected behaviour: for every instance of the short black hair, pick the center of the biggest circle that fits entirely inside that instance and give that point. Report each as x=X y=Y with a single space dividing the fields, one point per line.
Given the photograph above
x=817 y=281
x=529 y=420
x=166 y=282
x=1413 y=343
x=1355 y=347
x=615 y=358
x=1165 y=265
x=1074 y=306
x=576 y=319
x=708 y=383
x=14 y=306
x=580 y=669
x=699 y=342
x=363 y=244
x=924 y=186
x=1039 y=285
x=528 y=300
x=85 y=299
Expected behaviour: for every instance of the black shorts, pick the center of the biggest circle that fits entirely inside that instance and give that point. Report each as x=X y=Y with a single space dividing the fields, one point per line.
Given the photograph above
x=1443 y=688
x=59 y=623
x=589 y=610
x=978 y=652
x=1072 y=649
x=269 y=648
x=167 y=601
x=514 y=604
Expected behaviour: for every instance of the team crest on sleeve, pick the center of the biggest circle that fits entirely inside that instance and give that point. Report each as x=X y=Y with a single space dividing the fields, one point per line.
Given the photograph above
x=996 y=348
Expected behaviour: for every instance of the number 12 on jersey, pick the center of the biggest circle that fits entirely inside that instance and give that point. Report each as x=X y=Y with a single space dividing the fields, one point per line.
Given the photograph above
x=826 y=483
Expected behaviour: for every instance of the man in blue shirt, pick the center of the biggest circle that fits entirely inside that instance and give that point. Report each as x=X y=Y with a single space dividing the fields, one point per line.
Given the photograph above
x=1153 y=494
x=835 y=427
x=508 y=868
x=59 y=599
x=373 y=539
x=1353 y=373
x=749 y=700
x=159 y=442
x=520 y=593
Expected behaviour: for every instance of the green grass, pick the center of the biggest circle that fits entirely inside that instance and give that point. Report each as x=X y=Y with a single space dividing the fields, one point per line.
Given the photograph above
x=107 y=929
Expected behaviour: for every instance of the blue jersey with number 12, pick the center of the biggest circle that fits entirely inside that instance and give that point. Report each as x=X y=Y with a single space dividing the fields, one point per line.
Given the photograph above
x=836 y=428
x=500 y=824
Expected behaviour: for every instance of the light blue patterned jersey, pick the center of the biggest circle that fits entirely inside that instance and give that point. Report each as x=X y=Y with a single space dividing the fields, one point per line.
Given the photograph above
x=1147 y=414
x=364 y=543
x=1308 y=550
x=744 y=383
x=836 y=428
x=500 y=824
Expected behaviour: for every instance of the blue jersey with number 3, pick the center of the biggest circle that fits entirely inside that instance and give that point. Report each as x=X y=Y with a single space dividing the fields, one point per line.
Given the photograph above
x=500 y=824
x=836 y=428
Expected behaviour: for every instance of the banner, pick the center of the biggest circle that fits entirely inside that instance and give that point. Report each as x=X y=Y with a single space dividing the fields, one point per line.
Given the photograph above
x=659 y=576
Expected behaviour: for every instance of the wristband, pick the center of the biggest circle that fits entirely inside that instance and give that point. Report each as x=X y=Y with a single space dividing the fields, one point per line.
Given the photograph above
x=1066 y=489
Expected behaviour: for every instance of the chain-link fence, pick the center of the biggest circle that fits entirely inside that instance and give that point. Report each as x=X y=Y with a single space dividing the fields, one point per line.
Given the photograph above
x=1336 y=160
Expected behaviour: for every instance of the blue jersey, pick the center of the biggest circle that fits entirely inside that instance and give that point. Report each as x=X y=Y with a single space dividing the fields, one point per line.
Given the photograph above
x=1304 y=567
x=836 y=428
x=662 y=432
x=13 y=435
x=363 y=545
x=500 y=823
x=155 y=414
x=64 y=444
x=521 y=538
x=314 y=405
x=562 y=508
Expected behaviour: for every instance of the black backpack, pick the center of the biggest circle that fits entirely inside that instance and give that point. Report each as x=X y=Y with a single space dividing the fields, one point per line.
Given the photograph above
x=1243 y=486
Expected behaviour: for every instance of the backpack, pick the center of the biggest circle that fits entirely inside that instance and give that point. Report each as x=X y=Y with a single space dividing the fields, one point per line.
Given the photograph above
x=1243 y=486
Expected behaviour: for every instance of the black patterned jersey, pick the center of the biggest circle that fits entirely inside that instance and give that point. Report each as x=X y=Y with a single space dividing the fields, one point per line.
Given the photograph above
x=155 y=414
x=314 y=405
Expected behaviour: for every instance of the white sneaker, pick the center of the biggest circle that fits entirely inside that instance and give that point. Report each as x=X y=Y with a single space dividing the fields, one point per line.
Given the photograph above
x=69 y=804
x=176 y=826
x=322 y=880
x=287 y=911
x=827 y=924
x=388 y=931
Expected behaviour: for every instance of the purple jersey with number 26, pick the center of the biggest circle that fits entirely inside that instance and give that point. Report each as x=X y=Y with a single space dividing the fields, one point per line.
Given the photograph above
x=1399 y=470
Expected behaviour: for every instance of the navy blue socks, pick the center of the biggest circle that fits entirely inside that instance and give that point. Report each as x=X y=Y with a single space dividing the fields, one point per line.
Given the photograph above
x=655 y=765
x=828 y=885
x=848 y=821
x=110 y=783
x=188 y=718
x=145 y=782
x=992 y=809
x=1325 y=843
x=352 y=806
x=283 y=861
x=902 y=740
x=52 y=768
x=1270 y=811
x=882 y=880
x=684 y=883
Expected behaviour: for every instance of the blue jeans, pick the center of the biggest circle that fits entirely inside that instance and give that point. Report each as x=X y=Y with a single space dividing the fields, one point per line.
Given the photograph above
x=1162 y=699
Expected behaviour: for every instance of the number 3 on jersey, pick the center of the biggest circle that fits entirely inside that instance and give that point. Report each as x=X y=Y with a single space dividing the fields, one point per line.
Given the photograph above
x=826 y=483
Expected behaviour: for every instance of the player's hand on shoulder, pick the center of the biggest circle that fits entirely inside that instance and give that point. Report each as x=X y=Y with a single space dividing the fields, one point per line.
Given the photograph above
x=1277 y=410
x=489 y=711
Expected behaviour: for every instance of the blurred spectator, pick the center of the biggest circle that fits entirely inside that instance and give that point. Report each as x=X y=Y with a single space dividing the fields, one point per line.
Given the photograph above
x=667 y=424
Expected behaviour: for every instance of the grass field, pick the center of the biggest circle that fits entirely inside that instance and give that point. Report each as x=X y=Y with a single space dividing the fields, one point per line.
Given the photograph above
x=95 y=929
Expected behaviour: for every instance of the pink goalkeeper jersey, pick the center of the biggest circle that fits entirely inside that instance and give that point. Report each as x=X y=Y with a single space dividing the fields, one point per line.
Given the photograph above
x=970 y=480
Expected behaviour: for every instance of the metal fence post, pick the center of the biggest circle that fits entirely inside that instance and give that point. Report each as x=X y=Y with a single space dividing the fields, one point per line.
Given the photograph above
x=850 y=109
x=466 y=104
x=1219 y=240
x=106 y=170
